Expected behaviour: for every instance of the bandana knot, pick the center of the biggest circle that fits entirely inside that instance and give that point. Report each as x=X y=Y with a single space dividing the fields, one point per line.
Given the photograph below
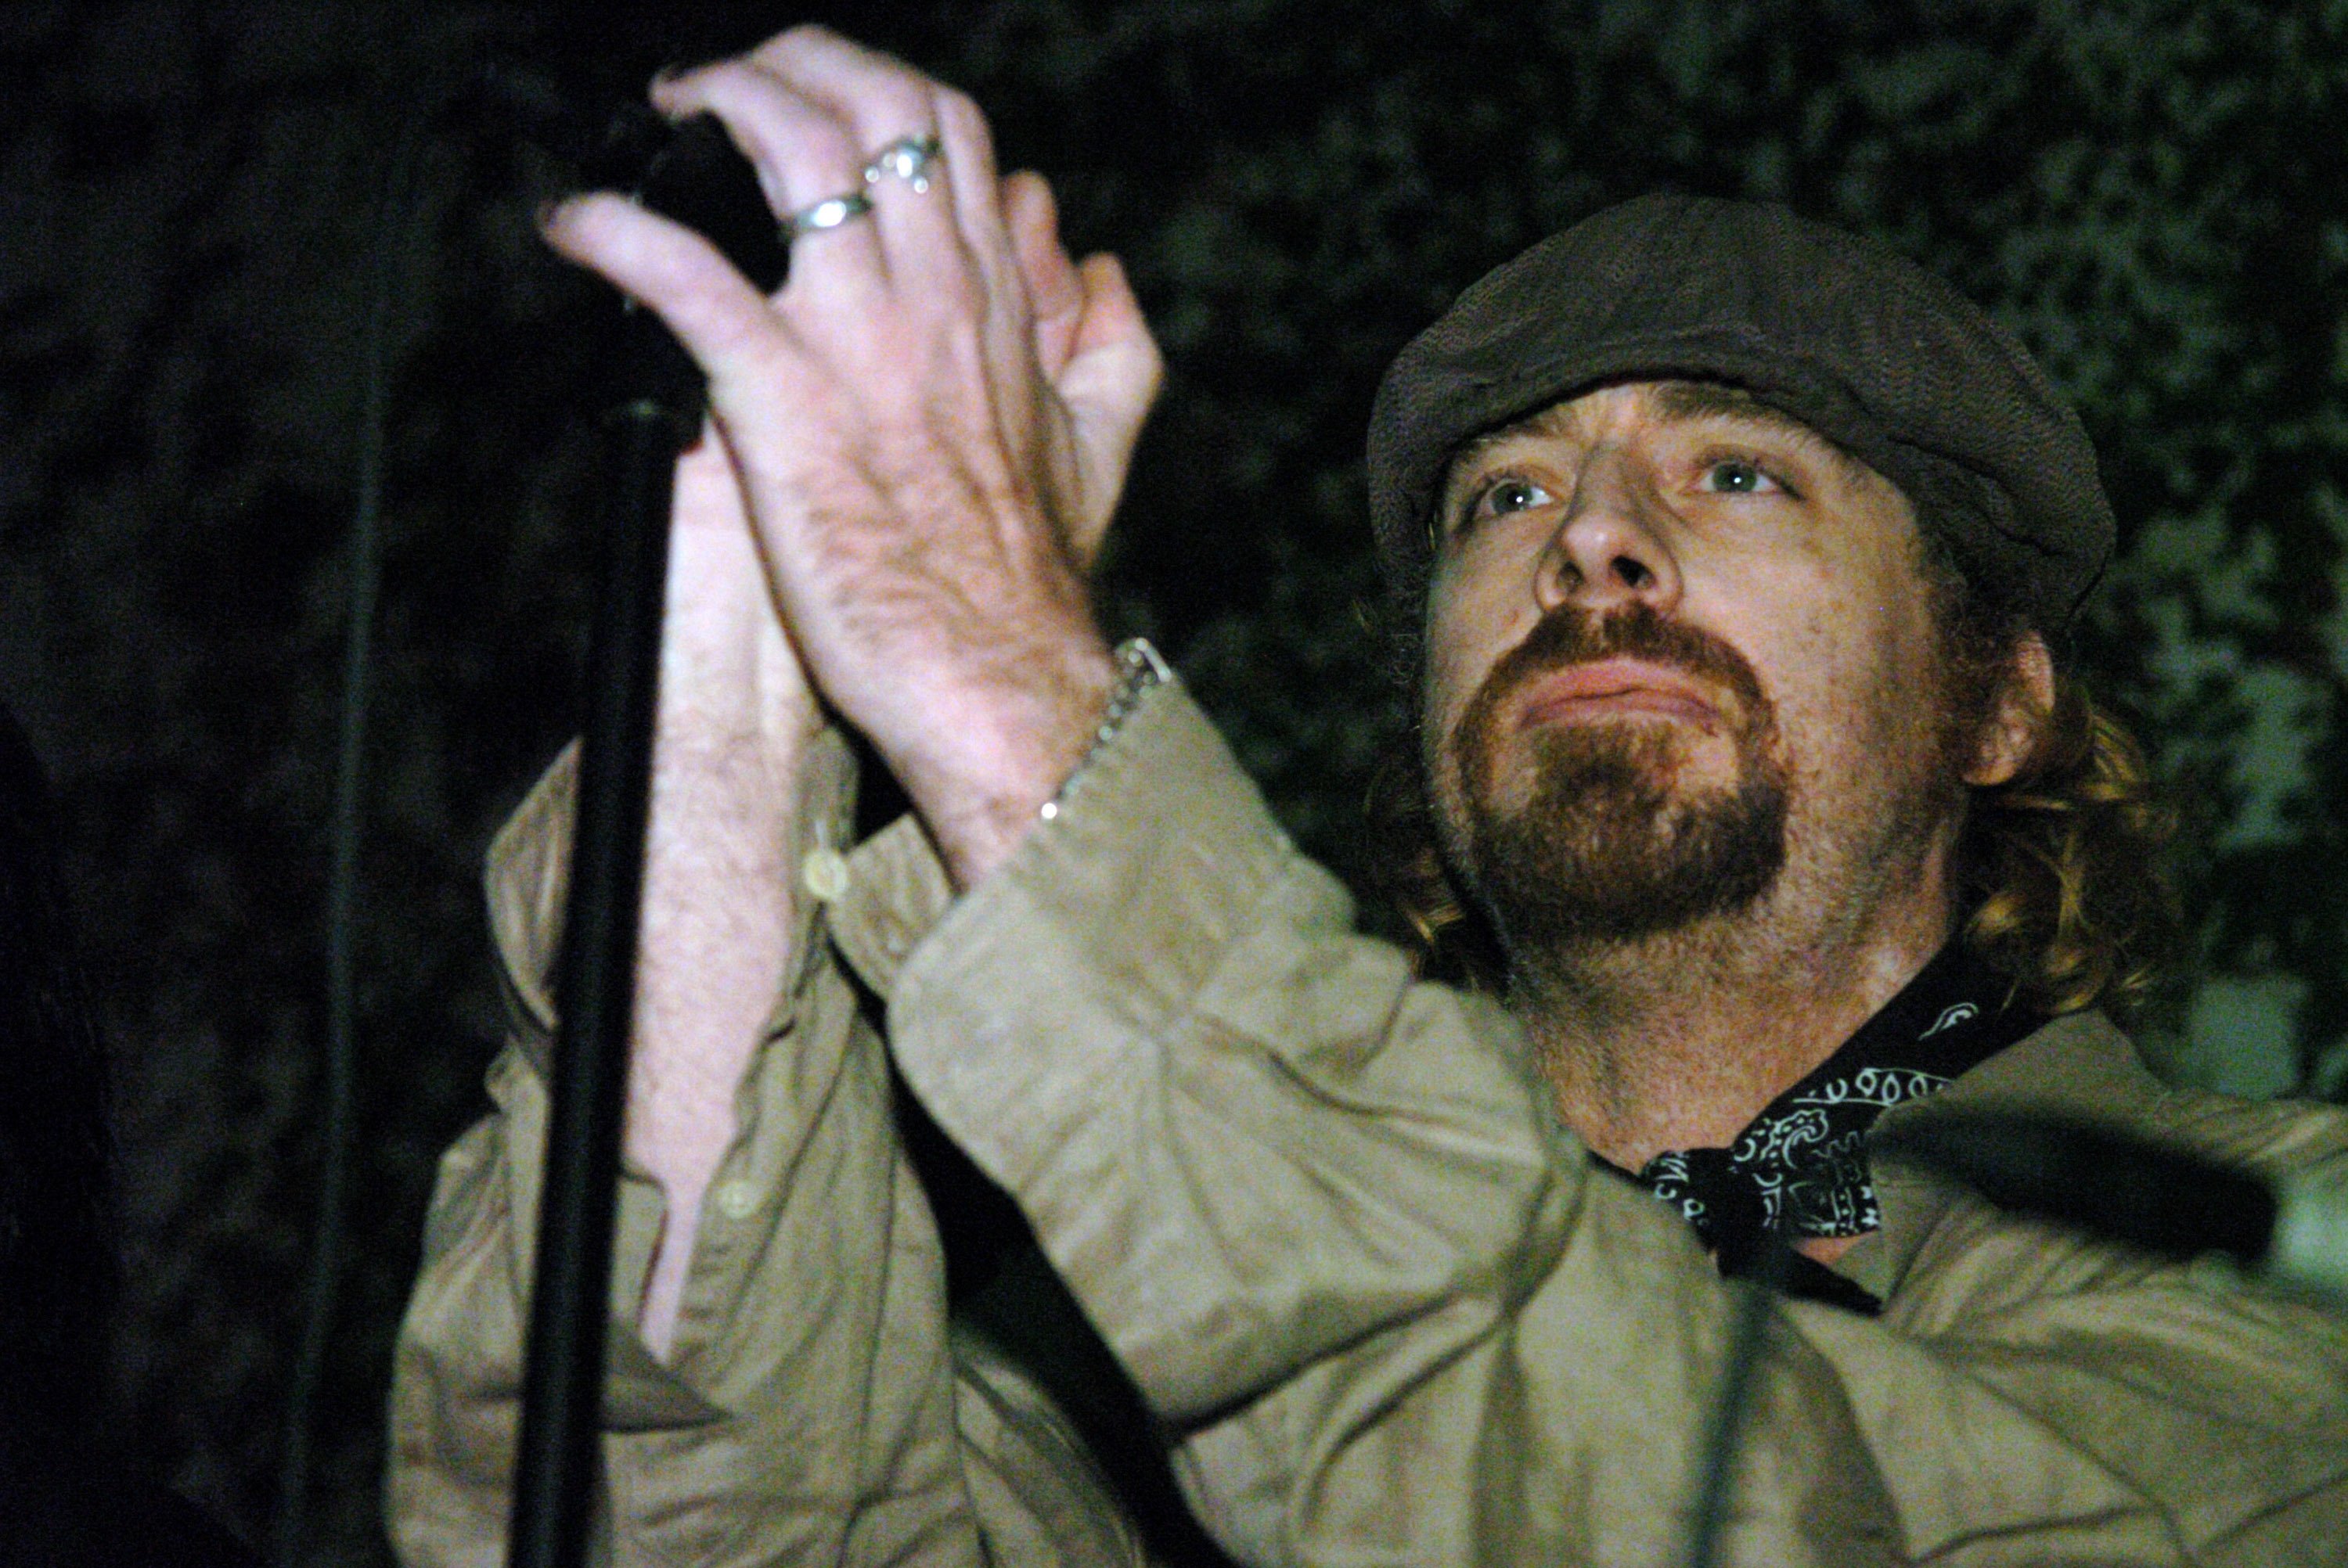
x=1799 y=1169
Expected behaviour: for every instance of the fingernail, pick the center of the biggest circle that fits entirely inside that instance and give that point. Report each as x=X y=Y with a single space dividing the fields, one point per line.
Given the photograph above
x=551 y=211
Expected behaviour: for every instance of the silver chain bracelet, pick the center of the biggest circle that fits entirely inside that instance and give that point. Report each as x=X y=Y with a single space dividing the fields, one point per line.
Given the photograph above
x=1139 y=667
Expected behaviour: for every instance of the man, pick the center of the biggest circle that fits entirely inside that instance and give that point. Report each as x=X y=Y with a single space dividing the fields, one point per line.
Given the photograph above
x=1744 y=550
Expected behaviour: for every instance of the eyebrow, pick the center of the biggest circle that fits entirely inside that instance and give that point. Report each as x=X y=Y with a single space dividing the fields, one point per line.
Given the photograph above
x=1548 y=422
x=1676 y=401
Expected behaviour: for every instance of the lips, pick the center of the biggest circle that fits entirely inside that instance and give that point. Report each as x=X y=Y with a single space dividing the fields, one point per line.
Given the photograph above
x=1615 y=688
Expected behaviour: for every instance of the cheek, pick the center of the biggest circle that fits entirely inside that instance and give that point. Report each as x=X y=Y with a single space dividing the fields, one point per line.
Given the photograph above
x=1858 y=697
x=1441 y=702
x=1456 y=662
x=1479 y=604
x=1804 y=658
x=1455 y=666
x=1440 y=708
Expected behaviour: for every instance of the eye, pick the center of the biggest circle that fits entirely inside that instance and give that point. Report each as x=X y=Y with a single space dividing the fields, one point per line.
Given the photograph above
x=1738 y=476
x=1503 y=498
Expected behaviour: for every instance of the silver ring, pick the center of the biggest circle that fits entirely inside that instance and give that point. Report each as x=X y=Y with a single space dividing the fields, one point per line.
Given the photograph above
x=828 y=213
x=909 y=158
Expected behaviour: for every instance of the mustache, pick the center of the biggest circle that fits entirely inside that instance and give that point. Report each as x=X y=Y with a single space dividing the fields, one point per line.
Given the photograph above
x=1568 y=636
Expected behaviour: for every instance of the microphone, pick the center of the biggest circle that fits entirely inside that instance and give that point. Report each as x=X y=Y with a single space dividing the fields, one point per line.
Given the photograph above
x=2290 y=1230
x=686 y=170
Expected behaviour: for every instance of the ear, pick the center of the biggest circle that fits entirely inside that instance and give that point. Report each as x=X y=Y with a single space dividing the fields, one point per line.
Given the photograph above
x=2025 y=697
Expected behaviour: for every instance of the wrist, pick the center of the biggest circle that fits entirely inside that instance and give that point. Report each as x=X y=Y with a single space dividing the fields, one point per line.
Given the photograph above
x=1017 y=743
x=1140 y=668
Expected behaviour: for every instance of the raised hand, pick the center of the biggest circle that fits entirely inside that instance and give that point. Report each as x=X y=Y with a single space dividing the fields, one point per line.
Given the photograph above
x=930 y=421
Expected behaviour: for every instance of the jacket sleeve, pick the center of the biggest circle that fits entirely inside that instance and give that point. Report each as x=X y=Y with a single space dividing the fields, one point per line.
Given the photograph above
x=808 y=1412
x=1327 y=1219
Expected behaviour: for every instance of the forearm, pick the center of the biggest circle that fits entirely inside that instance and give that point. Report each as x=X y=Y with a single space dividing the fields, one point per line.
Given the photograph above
x=804 y=1406
x=719 y=909
x=734 y=727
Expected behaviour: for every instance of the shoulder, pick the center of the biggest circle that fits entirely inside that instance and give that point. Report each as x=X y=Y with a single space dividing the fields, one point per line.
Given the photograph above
x=2083 y=1064
x=1944 y=1257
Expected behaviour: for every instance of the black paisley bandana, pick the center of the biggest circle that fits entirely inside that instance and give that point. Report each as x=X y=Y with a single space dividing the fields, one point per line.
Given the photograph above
x=1800 y=1168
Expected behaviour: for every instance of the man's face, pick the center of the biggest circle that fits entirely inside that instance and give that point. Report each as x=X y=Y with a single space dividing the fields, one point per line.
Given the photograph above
x=1681 y=659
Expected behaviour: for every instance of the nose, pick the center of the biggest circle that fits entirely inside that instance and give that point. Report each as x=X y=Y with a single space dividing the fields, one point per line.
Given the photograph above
x=1611 y=547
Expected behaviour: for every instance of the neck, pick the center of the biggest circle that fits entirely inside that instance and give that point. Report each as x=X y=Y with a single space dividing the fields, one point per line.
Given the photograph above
x=1679 y=1039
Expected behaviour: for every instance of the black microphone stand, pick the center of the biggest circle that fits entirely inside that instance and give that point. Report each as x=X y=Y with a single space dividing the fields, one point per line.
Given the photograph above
x=696 y=178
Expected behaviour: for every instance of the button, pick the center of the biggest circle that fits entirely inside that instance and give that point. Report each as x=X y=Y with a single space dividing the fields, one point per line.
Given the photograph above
x=824 y=873
x=736 y=1200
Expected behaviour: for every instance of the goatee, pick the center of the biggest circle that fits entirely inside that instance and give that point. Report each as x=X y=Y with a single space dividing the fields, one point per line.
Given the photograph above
x=1610 y=845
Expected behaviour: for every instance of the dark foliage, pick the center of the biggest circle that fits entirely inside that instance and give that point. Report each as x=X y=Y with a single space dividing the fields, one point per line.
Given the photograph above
x=56 y=1212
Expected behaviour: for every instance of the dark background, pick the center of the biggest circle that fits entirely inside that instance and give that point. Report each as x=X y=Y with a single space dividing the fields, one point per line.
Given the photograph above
x=2149 y=193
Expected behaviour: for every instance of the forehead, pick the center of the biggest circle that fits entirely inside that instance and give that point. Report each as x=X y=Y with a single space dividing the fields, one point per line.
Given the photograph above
x=1668 y=403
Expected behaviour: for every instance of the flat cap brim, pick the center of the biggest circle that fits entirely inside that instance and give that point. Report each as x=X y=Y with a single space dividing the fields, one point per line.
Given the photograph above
x=1847 y=335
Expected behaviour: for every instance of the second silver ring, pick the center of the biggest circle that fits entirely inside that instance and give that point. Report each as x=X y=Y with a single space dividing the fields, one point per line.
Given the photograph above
x=910 y=158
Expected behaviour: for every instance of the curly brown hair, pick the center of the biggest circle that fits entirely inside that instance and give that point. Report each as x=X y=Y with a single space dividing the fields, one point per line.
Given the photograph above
x=2059 y=870
x=2058 y=873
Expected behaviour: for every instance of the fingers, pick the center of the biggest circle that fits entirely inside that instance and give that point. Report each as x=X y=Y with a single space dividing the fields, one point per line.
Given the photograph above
x=1094 y=346
x=802 y=153
x=1113 y=331
x=879 y=97
x=1111 y=378
x=882 y=101
x=722 y=321
x=811 y=110
x=977 y=189
x=948 y=246
x=1055 y=293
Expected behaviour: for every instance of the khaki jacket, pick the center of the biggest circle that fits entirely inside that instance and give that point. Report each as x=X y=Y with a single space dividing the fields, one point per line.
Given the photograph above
x=1325 y=1216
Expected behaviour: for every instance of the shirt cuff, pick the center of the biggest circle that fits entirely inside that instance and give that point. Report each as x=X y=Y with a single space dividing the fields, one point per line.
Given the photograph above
x=890 y=894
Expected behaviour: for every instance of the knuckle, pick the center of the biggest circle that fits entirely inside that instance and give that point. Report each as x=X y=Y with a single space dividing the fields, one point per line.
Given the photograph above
x=901 y=108
x=798 y=39
x=833 y=143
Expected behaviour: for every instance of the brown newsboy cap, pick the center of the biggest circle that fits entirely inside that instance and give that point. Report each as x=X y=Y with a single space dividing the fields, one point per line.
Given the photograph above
x=1847 y=335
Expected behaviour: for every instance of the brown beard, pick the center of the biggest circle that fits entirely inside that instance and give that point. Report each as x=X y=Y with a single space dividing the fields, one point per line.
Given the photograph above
x=1608 y=848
